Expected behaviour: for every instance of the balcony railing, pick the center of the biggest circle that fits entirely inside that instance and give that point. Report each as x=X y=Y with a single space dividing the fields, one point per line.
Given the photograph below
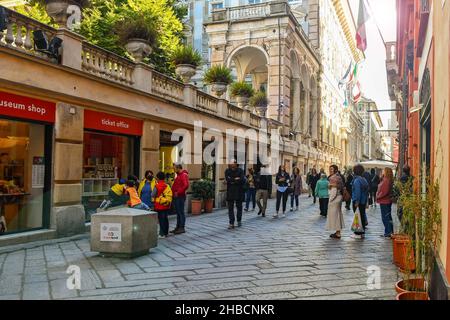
x=206 y=102
x=19 y=34
x=248 y=12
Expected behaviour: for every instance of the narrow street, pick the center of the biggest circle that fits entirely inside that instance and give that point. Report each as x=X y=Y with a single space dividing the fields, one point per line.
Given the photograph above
x=288 y=258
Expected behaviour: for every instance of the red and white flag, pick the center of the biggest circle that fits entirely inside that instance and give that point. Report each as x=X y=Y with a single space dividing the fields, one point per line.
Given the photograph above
x=363 y=16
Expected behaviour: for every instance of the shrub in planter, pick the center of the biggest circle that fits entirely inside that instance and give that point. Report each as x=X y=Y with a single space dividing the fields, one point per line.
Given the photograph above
x=138 y=34
x=204 y=189
x=259 y=101
x=219 y=77
x=186 y=59
x=242 y=91
x=196 y=202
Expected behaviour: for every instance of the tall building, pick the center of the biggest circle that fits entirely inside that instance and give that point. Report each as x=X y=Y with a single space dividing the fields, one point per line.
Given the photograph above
x=372 y=123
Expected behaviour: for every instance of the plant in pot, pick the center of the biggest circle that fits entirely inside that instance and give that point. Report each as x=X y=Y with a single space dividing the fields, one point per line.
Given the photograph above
x=421 y=222
x=259 y=102
x=139 y=34
x=186 y=60
x=197 y=196
x=57 y=9
x=208 y=188
x=219 y=77
x=242 y=91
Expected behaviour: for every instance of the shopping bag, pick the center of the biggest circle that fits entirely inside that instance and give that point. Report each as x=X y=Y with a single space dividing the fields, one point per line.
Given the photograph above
x=357 y=226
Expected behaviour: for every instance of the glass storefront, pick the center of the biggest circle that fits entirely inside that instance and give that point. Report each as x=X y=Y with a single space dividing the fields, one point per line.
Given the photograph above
x=106 y=159
x=23 y=182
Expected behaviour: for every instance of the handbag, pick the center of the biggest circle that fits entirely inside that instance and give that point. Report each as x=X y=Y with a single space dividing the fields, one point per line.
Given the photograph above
x=357 y=226
x=346 y=196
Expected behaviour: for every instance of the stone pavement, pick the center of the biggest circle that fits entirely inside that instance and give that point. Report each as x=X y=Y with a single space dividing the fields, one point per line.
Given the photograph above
x=288 y=258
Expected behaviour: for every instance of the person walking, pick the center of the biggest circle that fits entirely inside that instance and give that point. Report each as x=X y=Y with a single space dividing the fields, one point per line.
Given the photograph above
x=179 y=188
x=375 y=180
x=360 y=195
x=250 y=195
x=263 y=184
x=297 y=186
x=308 y=183
x=313 y=180
x=146 y=187
x=384 y=198
x=235 y=179
x=348 y=187
x=335 y=218
x=322 y=193
x=162 y=199
x=282 y=180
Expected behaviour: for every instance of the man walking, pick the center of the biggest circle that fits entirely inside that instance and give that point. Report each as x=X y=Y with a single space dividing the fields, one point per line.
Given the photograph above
x=235 y=178
x=263 y=184
x=179 y=188
x=308 y=183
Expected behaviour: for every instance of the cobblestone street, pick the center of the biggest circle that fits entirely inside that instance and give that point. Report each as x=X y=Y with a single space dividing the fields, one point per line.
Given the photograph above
x=288 y=258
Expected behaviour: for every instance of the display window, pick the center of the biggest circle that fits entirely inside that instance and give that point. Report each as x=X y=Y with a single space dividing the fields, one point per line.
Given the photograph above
x=169 y=154
x=22 y=175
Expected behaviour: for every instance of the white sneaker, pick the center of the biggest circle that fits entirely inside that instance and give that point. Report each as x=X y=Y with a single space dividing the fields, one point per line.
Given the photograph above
x=162 y=237
x=356 y=236
x=292 y=209
x=103 y=204
x=283 y=215
x=275 y=216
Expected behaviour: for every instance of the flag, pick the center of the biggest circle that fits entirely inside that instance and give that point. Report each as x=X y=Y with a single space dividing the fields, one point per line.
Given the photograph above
x=342 y=81
x=357 y=94
x=361 y=37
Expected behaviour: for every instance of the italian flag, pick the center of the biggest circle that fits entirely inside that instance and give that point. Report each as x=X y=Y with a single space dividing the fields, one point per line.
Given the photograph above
x=363 y=16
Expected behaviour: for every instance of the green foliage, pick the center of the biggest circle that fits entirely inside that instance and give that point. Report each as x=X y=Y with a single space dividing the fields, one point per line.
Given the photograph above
x=259 y=99
x=186 y=55
x=36 y=11
x=218 y=74
x=80 y=3
x=137 y=27
x=241 y=89
x=421 y=222
x=203 y=189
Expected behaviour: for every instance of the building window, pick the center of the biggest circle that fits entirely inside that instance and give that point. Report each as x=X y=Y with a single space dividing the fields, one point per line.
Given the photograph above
x=254 y=1
x=217 y=5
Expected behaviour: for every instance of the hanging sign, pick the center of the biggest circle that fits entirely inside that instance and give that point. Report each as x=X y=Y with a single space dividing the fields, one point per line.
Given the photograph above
x=16 y=106
x=112 y=123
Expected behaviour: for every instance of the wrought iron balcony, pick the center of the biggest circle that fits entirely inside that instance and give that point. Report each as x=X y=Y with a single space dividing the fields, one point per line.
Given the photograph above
x=424 y=15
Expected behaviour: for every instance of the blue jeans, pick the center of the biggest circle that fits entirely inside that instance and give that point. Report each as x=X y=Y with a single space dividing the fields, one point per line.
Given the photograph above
x=294 y=197
x=141 y=206
x=387 y=219
x=178 y=203
x=250 y=195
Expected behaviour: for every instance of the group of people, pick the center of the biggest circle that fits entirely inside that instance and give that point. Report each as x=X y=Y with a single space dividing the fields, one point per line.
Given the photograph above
x=153 y=193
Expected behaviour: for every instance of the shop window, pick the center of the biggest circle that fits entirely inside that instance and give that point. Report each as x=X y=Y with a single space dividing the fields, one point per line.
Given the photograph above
x=106 y=159
x=22 y=175
x=169 y=153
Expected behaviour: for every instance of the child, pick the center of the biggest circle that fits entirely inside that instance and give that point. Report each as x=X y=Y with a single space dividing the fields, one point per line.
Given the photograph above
x=322 y=192
x=162 y=199
x=135 y=202
x=116 y=196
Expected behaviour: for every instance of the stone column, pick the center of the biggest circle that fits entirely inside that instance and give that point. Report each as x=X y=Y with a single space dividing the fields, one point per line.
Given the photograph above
x=71 y=48
x=295 y=104
x=150 y=147
x=67 y=215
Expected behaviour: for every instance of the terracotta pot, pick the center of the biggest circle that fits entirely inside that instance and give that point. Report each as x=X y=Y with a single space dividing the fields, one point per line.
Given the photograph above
x=395 y=247
x=411 y=285
x=196 y=206
x=185 y=72
x=411 y=295
x=406 y=260
x=209 y=203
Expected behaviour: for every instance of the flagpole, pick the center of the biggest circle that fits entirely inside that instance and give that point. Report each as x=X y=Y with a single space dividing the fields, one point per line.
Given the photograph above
x=375 y=21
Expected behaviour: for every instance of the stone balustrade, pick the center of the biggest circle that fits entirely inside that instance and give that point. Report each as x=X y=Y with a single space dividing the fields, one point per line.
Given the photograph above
x=248 y=12
x=19 y=34
x=207 y=102
x=235 y=112
x=105 y=64
x=167 y=87
x=255 y=120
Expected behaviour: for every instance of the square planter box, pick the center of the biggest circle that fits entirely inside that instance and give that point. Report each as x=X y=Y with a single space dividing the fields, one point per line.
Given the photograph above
x=124 y=232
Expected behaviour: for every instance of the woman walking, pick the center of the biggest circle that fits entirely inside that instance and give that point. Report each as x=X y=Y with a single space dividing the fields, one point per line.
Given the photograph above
x=250 y=195
x=384 y=198
x=322 y=192
x=297 y=186
x=282 y=180
x=313 y=181
x=335 y=219
x=360 y=195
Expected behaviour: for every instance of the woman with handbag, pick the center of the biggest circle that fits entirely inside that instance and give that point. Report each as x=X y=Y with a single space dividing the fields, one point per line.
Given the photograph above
x=360 y=195
x=384 y=198
x=335 y=218
x=297 y=186
x=282 y=180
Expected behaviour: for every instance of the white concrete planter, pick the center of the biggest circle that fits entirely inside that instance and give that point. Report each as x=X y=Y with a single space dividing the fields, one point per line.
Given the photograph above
x=138 y=48
x=57 y=10
x=242 y=101
x=261 y=111
x=185 y=71
x=219 y=88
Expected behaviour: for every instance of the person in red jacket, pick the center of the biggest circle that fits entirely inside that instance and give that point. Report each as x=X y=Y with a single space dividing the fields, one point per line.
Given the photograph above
x=162 y=200
x=179 y=188
x=384 y=198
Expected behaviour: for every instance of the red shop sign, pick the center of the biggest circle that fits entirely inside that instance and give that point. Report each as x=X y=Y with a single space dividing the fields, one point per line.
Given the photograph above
x=12 y=105
x=111 y=123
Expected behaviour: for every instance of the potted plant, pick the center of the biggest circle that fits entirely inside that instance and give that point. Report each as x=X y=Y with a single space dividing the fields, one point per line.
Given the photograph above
x=57 y=9
x=421 y=223
x=138 y=34
x=186 y=60
x=243 y=91
x=219 y=77
x=259 y=101
x=208 y=188
x=196 y=202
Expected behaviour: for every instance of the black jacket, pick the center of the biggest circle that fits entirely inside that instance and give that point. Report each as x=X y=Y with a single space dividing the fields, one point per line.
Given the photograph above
x=284 y=183
x=313 y=181
x=263 y=182
x=235 y=188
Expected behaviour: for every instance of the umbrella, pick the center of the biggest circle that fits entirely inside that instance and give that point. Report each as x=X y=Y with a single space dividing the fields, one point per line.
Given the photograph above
x=380 y=164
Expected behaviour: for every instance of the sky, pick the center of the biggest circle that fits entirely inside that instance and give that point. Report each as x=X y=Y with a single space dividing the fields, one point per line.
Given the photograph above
x=373 y=71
